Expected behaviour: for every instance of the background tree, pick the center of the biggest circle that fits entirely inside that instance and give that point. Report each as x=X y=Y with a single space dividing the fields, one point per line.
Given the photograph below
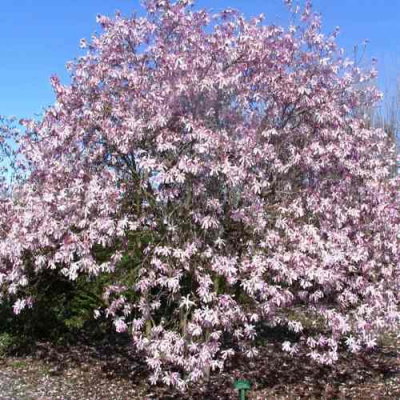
x=387 y=117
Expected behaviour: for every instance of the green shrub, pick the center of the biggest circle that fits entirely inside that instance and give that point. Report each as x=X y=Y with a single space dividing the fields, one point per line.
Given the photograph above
x=63 y=308
x=6 y=343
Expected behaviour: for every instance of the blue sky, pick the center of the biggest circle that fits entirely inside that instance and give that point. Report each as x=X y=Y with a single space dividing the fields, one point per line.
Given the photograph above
x=38 y=37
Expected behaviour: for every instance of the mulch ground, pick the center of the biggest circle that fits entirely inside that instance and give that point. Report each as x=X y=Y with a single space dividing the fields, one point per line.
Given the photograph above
x=107 y=371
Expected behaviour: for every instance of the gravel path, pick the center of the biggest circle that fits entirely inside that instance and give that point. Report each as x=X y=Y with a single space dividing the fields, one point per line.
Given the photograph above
x=29 y=379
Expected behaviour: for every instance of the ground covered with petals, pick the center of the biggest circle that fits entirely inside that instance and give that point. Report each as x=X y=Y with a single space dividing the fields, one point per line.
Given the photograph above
x=111 y=371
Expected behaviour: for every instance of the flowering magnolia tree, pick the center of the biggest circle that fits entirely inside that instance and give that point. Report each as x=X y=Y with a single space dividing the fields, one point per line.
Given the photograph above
x=230 y=156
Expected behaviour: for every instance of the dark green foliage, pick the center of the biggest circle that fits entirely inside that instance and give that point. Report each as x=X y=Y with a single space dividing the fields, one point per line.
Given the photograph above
x=63 y=309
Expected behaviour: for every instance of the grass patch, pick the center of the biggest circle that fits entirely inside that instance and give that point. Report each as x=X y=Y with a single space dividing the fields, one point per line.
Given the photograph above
x=19 y=364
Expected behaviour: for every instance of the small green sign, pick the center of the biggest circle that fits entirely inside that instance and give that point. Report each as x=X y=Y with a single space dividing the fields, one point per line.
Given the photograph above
x=242 y=386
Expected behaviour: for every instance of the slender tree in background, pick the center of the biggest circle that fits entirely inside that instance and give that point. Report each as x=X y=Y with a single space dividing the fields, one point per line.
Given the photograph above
x=228 y=155
x=387 y=117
